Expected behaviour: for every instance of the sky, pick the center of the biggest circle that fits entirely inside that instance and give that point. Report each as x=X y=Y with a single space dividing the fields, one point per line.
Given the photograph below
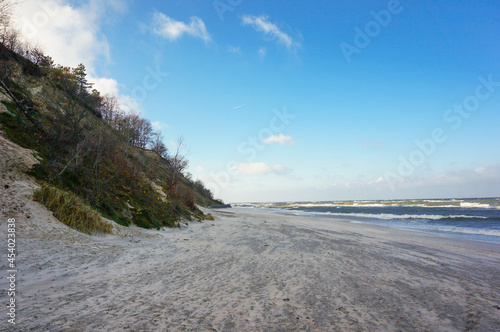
x=300 y=100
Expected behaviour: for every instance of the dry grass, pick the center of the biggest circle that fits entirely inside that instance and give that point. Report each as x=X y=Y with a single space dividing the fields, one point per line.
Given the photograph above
x=71 y=210
x=209 y=217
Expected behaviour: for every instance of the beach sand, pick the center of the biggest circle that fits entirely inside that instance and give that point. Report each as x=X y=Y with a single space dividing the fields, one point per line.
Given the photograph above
x=249 y=270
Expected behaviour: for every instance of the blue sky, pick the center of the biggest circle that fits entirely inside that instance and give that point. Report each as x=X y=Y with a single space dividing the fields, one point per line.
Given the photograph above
x=301 y=100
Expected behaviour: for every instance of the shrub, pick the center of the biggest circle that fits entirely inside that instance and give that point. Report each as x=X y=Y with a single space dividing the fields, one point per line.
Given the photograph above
x=143 y=218
x=71 y=210
x=188 y=198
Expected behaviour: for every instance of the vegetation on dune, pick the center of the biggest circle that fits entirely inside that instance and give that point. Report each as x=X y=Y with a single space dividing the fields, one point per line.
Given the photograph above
x=106 y=158
x=71 y=210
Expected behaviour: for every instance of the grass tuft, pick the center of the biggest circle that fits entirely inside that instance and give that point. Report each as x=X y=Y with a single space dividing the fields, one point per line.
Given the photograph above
x=71 y=210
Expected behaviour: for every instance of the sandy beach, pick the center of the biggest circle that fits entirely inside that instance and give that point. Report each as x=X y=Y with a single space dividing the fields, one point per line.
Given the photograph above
x=249 y=270
x=249 y=166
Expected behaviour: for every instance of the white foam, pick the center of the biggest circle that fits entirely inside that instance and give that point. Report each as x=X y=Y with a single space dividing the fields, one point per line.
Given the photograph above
x=489 y=232
x=427 y=203
x=389 y=216
x=474 y=205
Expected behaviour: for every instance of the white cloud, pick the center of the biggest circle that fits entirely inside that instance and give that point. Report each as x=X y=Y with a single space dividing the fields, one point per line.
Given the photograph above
x=68 y=34
x=262 y=24
x=119 y=6
x=157 y=125
x=262 y=52
x=173 y=30
x=106 y=86
x=259 y=168
x=280 y=139
x=109 y=86
x=130 y=105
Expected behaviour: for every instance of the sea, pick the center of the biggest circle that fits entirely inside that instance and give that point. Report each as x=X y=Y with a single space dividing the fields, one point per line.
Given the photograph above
x=469 y=218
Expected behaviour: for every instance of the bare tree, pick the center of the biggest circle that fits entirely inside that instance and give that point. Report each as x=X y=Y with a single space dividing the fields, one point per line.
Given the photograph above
x=6 y=7
x=110 y=109
x=68 y=123
x=178 y=159
x=9 y=36
x=11 y=39
x=137 y=130
x=158 y=146
x=35 y=55
x=178 y=163
x=144 y=132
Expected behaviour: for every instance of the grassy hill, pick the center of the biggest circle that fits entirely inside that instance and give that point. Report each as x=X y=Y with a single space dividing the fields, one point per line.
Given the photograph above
x=107 y=165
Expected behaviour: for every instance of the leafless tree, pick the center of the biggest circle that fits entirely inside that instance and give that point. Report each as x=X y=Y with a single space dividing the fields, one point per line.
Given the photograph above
x=110 y=109
x=158 y=146
x=137 y=130
x=178 y=160
x=144 y=131
x=6 y=7
x=178 y=164
x=11 y=39
x=9 y=36
x=35 y=55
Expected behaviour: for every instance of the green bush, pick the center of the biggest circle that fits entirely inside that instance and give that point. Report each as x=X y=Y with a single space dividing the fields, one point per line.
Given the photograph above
x=143 y=218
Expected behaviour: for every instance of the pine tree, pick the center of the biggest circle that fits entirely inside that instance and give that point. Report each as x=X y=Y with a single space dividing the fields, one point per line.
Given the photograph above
x=80 y=74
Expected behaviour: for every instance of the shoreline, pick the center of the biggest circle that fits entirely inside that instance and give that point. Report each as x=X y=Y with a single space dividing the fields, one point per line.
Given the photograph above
x=252 y=271
x=456 y=235
x=317 y=221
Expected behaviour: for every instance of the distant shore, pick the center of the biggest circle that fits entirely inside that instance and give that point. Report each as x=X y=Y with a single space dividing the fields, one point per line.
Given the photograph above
x=249 y=270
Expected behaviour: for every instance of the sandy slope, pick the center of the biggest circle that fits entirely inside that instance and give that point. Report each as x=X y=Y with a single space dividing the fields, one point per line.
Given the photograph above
x=246 y=271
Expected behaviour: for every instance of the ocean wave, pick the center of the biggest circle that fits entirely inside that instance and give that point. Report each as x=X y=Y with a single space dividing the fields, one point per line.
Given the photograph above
x=389 y=216
x=474 y=205
x=462 y=230
x=493 y=203
x=490 y=203
x=489 y=232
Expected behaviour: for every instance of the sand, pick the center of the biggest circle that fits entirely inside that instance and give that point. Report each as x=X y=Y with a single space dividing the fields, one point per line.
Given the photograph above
x=249 y=270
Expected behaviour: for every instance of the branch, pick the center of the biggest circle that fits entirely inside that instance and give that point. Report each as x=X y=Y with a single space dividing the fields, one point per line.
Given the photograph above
x=21 y=107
